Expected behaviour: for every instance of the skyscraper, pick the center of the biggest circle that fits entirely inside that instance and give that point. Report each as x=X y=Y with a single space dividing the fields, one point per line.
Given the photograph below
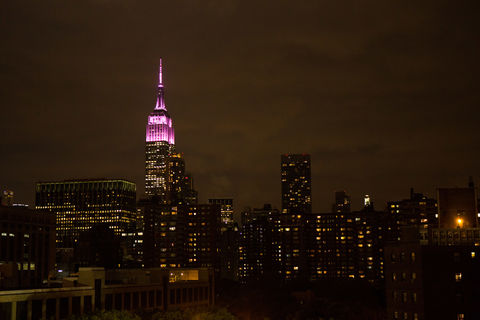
x=160 y=143
x=296 y=184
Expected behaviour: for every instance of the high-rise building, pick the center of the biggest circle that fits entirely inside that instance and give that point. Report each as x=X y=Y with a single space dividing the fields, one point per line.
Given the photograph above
x=296 y=184
x=80 y=204
x=226 y=209
x=160 y=143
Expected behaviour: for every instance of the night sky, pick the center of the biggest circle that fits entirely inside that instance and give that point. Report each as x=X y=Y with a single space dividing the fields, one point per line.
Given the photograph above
x=384 y=95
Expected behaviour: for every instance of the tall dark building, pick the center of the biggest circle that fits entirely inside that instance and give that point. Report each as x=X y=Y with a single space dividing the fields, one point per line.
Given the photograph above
x=160 y=143
x=80 y=204
x=258 y=244
x=27 y=247
x=296 y=184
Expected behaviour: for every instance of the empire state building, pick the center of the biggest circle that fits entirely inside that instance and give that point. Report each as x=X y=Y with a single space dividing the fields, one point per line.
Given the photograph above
x=160 y=144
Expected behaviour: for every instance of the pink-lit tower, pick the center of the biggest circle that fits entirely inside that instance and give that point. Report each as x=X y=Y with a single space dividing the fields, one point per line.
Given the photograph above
x=160 y=143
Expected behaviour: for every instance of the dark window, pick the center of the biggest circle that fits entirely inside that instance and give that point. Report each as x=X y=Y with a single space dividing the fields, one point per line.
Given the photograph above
x=190 y=294
x=184 y=295
x=118 y=301
x=151 y=297
x=135 y=300
x=36 y=309
x=51 y=308
x=22 y=309
x=76 y=305
x=126 y=302
x=143 y=300
x=63 y=308
x=195 y=294
x=98 y=293
x=108 y=302
x=159 y=298
x=6 y=310
x=172 y=296
x=87 y=304
x=179 y=296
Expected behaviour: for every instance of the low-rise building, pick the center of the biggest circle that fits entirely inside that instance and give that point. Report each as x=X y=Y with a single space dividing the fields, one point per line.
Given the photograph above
x=123 y=289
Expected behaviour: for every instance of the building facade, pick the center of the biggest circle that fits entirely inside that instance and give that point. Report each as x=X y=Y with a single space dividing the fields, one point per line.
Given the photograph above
x=181 y=236
x=80 y=204
x=100 y=289
x=418 y=210
x=432 y=281
x=257 y=254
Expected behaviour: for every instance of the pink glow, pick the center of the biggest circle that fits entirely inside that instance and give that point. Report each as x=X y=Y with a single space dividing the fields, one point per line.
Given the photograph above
x=159 y=124
x=160 y=82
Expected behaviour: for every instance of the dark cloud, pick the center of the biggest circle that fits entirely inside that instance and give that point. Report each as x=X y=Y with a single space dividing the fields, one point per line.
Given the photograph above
x=383 y=95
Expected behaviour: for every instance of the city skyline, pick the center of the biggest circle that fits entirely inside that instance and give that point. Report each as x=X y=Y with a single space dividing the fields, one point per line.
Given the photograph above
x=379 y=106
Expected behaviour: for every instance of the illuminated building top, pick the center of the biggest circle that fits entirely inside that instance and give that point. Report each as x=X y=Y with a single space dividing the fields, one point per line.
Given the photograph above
x=160 y=125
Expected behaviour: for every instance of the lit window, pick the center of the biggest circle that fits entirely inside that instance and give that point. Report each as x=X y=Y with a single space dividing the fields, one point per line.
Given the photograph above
x=458 y=276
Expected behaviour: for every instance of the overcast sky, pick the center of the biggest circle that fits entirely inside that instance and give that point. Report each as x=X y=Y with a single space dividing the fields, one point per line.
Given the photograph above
x=384 y=95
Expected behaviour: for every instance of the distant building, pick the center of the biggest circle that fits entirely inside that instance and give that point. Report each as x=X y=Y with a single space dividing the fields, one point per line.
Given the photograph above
x=226 y=208
x=229 y=251
x=296 y=184
x=99 y=289
x=27 y=247
x=418 y=210
x=342 y=202
x=80 y=204
x=7 y=198
x=191 y=195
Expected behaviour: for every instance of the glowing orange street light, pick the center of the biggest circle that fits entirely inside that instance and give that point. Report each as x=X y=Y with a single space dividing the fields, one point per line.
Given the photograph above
x=460 y=222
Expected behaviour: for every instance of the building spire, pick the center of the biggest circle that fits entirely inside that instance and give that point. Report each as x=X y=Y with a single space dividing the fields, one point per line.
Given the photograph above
x=160 y=105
